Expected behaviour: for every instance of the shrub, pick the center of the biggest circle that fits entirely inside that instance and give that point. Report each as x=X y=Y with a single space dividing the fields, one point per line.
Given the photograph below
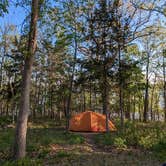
x=23 y=162
x=160 y=150
x=120 y=143
x=105 y=139
x=5 y=121
x=146 y=142
x=75 y=139
x=62 y=154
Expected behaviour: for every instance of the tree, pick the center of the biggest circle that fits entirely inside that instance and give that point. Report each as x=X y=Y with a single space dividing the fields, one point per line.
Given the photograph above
x=3 y=7
x=164 y=75
x=21 y=128
x=153 y=6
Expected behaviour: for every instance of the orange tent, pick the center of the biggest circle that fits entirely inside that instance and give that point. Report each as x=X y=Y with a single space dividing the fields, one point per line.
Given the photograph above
x=90 y=121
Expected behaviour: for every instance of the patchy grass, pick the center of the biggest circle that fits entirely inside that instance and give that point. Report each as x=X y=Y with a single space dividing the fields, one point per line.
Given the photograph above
x=100 y=159
x=89 y=159
x=40 y=139
x=24 y=162
x=147 y=137
x=48 y=144
x=5 y=120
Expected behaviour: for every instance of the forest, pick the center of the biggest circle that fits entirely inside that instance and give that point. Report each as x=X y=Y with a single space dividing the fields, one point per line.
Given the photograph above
x=68 y=64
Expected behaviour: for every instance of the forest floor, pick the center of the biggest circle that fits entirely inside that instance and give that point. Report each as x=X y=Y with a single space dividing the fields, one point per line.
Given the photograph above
x=48 y=145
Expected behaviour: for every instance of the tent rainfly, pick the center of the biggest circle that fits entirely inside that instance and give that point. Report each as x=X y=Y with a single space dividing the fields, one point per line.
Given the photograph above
x=90 y=121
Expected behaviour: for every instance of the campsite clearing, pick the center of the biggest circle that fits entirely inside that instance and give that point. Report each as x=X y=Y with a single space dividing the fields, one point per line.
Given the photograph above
x=48 y=144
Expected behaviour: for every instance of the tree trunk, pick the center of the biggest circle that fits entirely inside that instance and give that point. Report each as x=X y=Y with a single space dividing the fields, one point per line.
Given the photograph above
x=12 y=101
x=90 y=95
x=21 y=128
x=134 y=102
x=105 y=97
x=128 y=107
x=146 y=100
x=35 y=98
x=139 y=110
x=2 y=62
x=71 y=82
x=95 y=99
x=120 y=91
x=164 y=86
x=151 y=103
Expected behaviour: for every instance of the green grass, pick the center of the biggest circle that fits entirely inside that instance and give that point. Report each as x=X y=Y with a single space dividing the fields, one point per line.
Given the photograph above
x=139 y=144
x=5 y=120
x=24 y=162
x=150 y=136
x=44 y=137
x=71 y=159
x=39 y=139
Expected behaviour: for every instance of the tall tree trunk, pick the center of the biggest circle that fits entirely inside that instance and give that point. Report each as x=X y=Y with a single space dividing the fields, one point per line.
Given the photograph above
x=157 y=97
x=35 y=98
x=71 y=81
x=45 y=99
x=2 y=61
x=134 y=102
x=21 y=128
x=95 y=99
x=128 y=107
x=164 y=52
x=90 y=95
x=151 y=102
x=120 y=90
x=84 y=99
x=12 y=101
x=1 y=72
x=139 y=110
x=146 y=100
x=105 y=97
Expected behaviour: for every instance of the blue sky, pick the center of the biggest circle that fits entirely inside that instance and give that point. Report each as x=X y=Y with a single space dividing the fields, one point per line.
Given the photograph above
x=14 y=16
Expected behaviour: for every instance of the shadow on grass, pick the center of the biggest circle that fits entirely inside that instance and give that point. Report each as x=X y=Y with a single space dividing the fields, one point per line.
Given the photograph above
x=41 y=136
x=39 y=140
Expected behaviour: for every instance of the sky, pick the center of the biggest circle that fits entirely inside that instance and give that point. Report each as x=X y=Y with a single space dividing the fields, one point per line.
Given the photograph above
x=15 y=16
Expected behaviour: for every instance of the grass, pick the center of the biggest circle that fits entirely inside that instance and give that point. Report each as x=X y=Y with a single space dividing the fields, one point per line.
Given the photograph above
x=146 y=137
x=72 y=159
x=48 y=144
x=39 y=140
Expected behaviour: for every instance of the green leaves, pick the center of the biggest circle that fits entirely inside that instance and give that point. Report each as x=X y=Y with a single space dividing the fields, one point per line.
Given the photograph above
x=3 y=7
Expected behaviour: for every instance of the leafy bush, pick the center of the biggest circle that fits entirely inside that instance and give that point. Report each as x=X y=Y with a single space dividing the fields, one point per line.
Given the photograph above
x=6 y=139
x=159 y=150
x=120 y=142
x=5 y=121
x=62 y=154
x=43 y=152
x=105 y=139
x=23 y=162
x=75 y=139
x=146 y=142
x=149 y=136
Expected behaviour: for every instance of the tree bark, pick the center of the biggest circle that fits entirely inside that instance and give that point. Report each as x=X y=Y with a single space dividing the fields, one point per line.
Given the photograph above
x=84 y=108
x=146 y=100
x=120 y=90
x=134 y=107
x=151 y=103
x=128 y=107
x=90 y=95
x=164 y=87
x=21 y=128
x=105 y=97
x=71 y=80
